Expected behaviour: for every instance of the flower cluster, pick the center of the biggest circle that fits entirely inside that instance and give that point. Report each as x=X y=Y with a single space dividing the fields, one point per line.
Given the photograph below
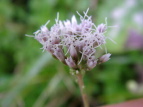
x=74 y=43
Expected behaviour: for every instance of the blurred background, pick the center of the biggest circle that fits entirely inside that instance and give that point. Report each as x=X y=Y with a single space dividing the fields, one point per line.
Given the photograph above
x=32 y=78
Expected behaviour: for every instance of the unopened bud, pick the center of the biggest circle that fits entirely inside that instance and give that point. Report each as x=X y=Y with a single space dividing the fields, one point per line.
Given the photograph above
x=91 y=63
x=104 y=58
x=59 y=54
x=101 y=28
x=70 y=62
x=44 y=29
x=55 y=41
x=73 y=52
x=49 y=48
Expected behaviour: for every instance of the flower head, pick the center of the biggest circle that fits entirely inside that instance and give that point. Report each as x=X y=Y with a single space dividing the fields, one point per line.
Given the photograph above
x=74 y=43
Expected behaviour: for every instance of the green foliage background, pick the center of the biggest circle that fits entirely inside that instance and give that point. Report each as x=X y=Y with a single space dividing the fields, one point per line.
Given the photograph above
x=32 y=78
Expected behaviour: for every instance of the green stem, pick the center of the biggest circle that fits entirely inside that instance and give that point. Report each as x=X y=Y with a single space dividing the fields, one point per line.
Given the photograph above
x=81 y=86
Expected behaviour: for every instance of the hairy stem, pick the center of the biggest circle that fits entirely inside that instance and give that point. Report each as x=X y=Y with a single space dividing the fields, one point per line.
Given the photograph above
x=81 y=86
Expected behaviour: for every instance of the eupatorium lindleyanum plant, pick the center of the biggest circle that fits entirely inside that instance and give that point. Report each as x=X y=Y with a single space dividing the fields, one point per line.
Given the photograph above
x=74 y=44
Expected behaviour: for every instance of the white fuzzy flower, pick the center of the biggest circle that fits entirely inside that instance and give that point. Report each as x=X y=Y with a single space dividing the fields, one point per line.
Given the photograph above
x=74 y=43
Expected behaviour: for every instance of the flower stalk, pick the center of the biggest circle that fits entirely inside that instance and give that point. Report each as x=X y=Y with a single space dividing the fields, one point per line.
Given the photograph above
x=82 y=89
